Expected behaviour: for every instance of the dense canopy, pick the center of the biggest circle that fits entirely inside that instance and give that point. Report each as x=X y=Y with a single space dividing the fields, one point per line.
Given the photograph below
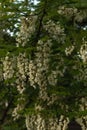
x=43 y=64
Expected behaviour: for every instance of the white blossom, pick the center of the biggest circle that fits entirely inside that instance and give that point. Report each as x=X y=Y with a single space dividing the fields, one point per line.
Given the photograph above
x=69 y=50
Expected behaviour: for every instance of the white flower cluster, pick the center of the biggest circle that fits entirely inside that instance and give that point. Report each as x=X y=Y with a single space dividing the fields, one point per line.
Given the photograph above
x=69 y=50
x=32 y=73
x=42 y=60
x=53 y=124
x=55 y=30
x=83 y=52
x=36 y=122
x=26 y=30
x=63 y=123
x=82 y=76
x=83 y=120
x=68 y=12
x=22 y=72
x=16 y=67
x=16 y=112
x=72 y=12
x=39 y=67
x=8 y=67
x=1 y=72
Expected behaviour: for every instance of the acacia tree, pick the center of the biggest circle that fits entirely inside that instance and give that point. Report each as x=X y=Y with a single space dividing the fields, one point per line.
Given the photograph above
x=44 y=72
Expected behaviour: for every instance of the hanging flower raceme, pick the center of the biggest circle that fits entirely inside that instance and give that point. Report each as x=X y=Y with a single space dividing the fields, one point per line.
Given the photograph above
x=22 y=72
x=26 y=30
x=67 y=11
x=1 y=71
x=39 y=123
x=40 y=65
x=21 y=77
x=8 y=67
x=83 y=51
x=55 y=31
x=83 y=119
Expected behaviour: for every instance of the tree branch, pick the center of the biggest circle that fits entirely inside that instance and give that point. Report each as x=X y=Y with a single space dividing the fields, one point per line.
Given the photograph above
x=38 y=29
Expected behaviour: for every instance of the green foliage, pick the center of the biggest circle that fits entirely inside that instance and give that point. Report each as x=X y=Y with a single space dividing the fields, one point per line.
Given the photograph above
x=68 y=89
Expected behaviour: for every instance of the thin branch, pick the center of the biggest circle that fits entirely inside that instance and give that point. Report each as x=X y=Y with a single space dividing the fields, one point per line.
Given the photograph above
x=40 y=21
